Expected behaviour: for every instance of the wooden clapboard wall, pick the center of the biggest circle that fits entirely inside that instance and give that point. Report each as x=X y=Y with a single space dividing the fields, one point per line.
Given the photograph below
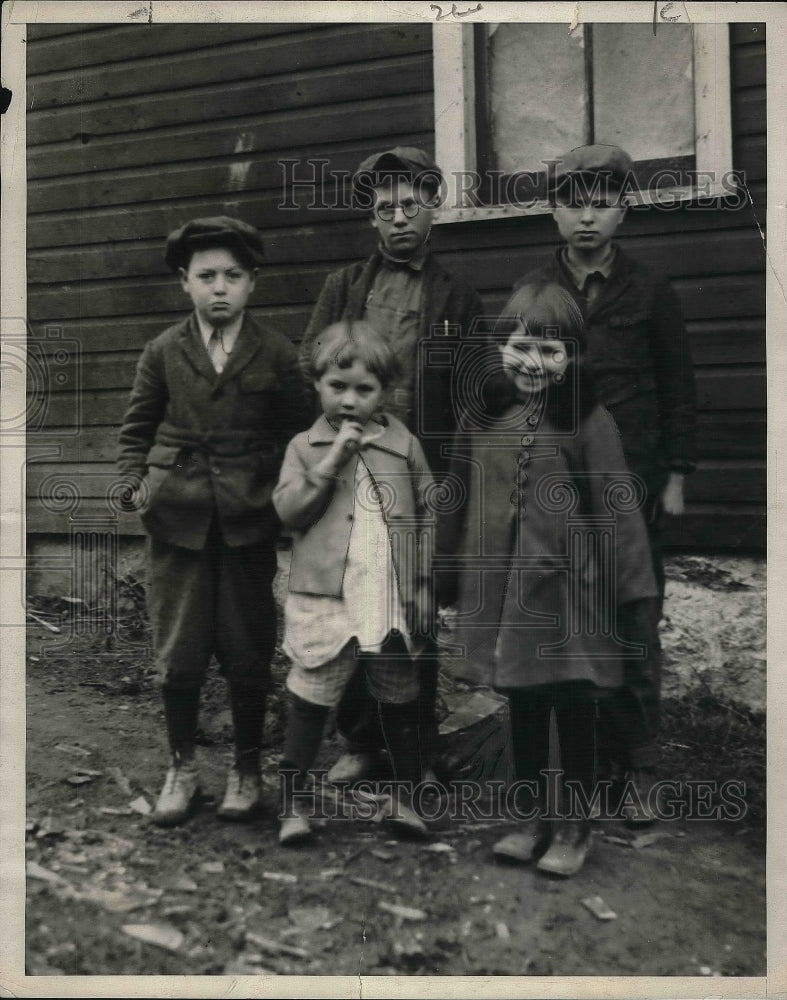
x=133 y=129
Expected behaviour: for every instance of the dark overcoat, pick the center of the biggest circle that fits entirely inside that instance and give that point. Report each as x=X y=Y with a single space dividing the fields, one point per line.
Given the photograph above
x=207 y=444
x=550 y=542
x=448 y=304
x=638 y=353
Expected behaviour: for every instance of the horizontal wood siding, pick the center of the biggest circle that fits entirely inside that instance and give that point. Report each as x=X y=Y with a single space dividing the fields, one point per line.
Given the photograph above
x=132 y=130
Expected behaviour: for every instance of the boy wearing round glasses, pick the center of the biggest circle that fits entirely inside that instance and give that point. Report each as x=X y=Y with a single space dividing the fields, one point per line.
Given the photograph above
x=405 y=294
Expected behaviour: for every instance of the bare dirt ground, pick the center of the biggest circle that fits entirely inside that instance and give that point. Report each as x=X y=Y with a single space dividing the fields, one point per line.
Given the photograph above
x=108 y=893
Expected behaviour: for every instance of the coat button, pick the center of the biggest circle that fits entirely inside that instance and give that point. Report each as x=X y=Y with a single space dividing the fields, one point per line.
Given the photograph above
x=216 y=470
x=349 y=517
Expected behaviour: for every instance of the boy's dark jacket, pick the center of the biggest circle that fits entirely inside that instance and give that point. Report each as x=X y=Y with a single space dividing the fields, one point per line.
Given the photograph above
x=639 y=355
x=208 y=444
x=444 y=298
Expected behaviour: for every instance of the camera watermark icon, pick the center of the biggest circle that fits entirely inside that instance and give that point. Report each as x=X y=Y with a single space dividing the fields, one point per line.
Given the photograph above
x=42 y=377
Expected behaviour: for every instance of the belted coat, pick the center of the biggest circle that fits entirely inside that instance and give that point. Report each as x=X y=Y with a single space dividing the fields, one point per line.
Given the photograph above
x=205 y=444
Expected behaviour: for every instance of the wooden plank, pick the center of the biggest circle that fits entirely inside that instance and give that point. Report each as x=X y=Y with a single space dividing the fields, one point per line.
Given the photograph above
x=360 y=118
x=106 y=44
x=732 y=434
x=717 y=529
x=306 y=244
x=379 y=79
x=41 y=520
x=748 y=33
x=749 y=111
x=727 y=342
x=94 y=482
x=748 y=66
x=243 y=170
x=727 y=482
x=155 y=221
x=96 y=408
x=89 y=445
x=749 y=154
x=724 y=296
x=725 y=389
x=254 y=57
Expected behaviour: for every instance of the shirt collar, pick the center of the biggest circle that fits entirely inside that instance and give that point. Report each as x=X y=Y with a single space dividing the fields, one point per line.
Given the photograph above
x=414 y=263
x=580 y=274
x=229 y=332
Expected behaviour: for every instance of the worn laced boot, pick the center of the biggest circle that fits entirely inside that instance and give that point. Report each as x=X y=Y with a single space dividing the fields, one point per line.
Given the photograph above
x=525 y=845
x=294 y=826
x=181 y=793
x=568 y=848
x=243 y=796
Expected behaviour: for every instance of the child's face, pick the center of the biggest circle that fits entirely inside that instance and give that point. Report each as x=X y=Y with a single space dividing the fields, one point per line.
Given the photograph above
x=534 y=363
x=590 y=223
x=218 y=285
x=394 y=203
x=352 y=393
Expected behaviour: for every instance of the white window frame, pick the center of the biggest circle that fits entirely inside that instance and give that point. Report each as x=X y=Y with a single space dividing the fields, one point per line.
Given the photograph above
x=455 y=126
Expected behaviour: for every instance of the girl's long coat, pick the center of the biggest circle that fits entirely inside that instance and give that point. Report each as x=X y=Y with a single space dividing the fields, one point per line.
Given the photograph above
x=549 y=544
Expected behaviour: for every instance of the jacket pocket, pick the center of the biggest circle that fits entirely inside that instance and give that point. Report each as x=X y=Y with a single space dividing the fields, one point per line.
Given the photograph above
x=628 y=319
x=163 y=456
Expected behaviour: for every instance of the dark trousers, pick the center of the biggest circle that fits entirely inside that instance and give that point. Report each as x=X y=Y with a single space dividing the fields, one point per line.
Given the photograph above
x=358 y=718
x=214 y=601
x=630 y=718
x=575 y=713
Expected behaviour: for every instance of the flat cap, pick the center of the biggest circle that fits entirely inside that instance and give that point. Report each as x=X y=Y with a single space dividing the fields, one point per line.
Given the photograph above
x=407 y=162
x=611 y=164
x=217 y=231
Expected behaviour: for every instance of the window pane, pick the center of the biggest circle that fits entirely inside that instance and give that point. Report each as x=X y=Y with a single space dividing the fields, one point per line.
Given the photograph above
x=644 y=88
x=536 y=94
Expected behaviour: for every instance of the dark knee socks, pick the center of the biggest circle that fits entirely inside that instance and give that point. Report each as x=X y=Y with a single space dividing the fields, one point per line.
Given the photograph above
x=305 y=727
x=401 y=730
x=181 y=712
x=248 y=721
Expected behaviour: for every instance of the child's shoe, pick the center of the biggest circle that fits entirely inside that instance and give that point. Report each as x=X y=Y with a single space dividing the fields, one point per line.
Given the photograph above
x=294 y=826
x=180 y=795
x=525 y=845
x=568 y=848
x=243 y=797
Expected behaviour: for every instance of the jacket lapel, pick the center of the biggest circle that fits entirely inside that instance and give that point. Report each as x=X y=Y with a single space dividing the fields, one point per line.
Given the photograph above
x=249 y=341
x=194 y=350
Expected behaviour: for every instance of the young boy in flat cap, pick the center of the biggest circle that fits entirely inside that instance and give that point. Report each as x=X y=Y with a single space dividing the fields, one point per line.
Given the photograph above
x=404 y=293
x=638 y=353
x=215 y=400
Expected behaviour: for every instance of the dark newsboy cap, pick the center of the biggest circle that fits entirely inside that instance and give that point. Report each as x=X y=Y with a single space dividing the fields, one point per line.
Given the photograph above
x=610 y=164
x=218 y=231
x=407 y=162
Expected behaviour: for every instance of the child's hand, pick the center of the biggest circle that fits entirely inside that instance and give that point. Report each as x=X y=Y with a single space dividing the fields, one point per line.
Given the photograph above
x=345 y=445
x=672 y=496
